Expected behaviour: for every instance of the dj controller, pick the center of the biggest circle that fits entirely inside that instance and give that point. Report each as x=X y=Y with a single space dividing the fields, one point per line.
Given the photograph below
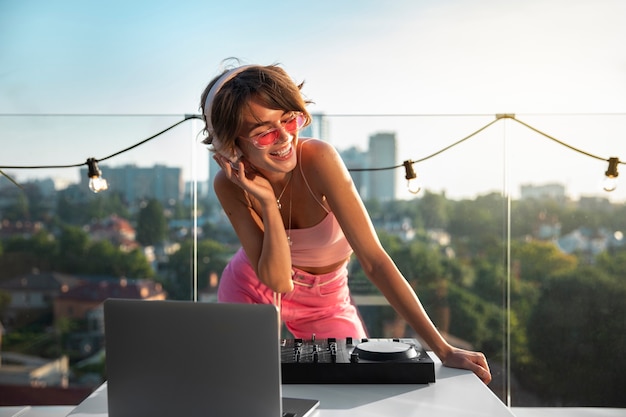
x=355 y=361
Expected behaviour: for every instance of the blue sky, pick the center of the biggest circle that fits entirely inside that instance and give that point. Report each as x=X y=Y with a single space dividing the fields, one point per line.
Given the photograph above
x=533 y=58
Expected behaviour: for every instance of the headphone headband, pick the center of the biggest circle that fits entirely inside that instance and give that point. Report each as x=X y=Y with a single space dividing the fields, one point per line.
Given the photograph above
x=224 y=78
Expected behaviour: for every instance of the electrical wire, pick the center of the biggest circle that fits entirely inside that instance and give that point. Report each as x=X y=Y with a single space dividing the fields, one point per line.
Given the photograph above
x=194 y=116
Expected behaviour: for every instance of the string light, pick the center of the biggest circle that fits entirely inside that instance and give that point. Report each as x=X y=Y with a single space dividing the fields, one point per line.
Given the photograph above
x=610 y=179
x=411 y=177
x=96 y=182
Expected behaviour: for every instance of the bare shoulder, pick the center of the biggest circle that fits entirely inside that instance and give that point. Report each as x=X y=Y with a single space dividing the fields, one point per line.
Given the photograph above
x=324 y=169
x=220 y=182
x=317 y=154
x=315 y=146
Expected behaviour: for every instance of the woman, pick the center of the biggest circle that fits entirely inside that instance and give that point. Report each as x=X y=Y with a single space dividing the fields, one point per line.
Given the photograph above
x=298 y=216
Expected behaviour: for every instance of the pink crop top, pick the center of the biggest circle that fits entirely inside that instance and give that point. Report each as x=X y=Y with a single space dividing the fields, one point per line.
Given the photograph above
x=320 y=245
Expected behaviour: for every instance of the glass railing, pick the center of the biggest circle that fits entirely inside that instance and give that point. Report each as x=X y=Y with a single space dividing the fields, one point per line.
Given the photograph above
x=511 y=243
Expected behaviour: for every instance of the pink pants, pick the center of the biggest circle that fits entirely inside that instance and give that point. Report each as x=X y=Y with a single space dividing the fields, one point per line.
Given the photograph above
x=318 y=304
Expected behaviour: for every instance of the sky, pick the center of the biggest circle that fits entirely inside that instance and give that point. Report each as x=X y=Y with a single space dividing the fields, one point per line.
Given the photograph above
x=83 y=79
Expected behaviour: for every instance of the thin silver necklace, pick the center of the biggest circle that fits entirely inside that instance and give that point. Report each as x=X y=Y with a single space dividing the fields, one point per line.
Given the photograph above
x=289 y=226
x=280 y=206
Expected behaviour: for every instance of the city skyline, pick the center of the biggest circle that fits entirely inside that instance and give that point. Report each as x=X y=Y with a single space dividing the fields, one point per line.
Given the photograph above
x=359 y=159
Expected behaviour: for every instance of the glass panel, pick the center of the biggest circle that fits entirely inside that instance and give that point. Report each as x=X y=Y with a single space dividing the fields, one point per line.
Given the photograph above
x=64 y=249
x=449 y=240
x=567 y=263
x=511 y=244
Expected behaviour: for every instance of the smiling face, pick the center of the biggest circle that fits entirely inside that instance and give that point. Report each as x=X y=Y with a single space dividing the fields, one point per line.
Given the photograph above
x=236 y=108
x=276 y=157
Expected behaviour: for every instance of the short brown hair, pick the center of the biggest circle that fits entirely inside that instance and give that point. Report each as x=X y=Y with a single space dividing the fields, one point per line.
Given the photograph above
x=270 y=85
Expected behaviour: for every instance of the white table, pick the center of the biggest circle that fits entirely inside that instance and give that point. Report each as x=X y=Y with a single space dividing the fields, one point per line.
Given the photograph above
x=456 y=393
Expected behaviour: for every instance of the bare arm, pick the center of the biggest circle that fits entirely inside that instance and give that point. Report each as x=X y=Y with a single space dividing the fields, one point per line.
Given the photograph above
x=262 y=236
x=331 y=178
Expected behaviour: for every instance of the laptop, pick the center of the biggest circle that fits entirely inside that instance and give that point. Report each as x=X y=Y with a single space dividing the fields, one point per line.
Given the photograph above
x=184 y=358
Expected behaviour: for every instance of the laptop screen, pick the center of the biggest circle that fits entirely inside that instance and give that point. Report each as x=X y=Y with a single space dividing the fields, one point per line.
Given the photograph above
x=185 y=358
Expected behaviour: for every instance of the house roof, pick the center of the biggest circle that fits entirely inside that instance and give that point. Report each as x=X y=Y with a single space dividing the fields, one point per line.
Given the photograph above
x=42 y=281
x=122 y=288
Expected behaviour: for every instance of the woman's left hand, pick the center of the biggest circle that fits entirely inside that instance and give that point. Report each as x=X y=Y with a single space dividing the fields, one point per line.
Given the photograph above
x=473 y=361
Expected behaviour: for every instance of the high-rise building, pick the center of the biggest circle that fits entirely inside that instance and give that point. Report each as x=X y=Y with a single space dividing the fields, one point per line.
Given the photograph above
x=357 y=162
x=382 y=154
x=214 y=168
x=317 y=129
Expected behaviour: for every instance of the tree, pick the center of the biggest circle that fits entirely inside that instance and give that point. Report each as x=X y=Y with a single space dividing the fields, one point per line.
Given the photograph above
x=613 y=262
x=151 y=224
x=104 y=258
x=535 y=261
x=72 y=243
x=477 y=218
x=577 y=334
x=212 y=258
x=435 y=210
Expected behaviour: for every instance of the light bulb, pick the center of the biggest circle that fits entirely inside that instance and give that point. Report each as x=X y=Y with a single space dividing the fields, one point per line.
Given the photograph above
x=96 y=182
x=411 y=177
x=609 y=184
x=413 y=186
x=611 y=174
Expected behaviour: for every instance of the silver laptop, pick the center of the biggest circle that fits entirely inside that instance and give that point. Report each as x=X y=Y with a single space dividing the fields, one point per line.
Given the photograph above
x=183 y=358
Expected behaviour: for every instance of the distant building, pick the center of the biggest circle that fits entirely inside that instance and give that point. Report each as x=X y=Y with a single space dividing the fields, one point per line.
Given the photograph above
x=545 y=191
x=85 y=303
x=357 y=160
x=599 y=204
x=116 y=230
x=24 y=229
x=135 y=184
x=382 y=154
x=80 y=300
x=590 y=241
x=318 y=128
x=35 y=292
x=214 y=168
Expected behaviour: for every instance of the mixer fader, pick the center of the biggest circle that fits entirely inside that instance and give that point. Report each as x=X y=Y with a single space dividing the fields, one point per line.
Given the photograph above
x=355 y=361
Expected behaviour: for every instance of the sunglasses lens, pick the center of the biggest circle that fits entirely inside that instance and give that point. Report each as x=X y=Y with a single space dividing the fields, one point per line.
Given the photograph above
x=295 y=123
x=271 y=136
x=268 y=138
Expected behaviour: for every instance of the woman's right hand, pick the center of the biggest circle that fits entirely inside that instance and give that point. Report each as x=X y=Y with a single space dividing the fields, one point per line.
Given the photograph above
x=252 y=182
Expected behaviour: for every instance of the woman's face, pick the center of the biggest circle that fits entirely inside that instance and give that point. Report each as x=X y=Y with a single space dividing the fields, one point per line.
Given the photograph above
x=275 y=151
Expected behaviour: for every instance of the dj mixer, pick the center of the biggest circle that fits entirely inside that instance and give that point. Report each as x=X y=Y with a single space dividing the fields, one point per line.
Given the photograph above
x=355 y=361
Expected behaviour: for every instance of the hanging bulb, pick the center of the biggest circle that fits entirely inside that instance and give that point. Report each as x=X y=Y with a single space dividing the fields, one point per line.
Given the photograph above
x=411 y=178
x=96 y=182
x=610 y=180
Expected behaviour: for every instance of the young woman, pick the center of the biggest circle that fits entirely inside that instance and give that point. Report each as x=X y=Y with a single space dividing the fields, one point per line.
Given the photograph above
x=298 y=216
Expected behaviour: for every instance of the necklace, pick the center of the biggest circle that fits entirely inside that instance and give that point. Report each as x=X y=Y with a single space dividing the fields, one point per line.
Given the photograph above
x=280 y=206
x=289 y=225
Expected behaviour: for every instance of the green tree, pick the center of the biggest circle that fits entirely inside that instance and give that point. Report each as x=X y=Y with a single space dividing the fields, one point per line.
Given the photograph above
x=72 y=243
x=434 y=210
x=18 y=210
x=77 y=207
x=535 y=261
x=151 y=224
x=102 y=257
x=477 y=218
x=613 y=262
x=577 y=334
x=212 y=257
